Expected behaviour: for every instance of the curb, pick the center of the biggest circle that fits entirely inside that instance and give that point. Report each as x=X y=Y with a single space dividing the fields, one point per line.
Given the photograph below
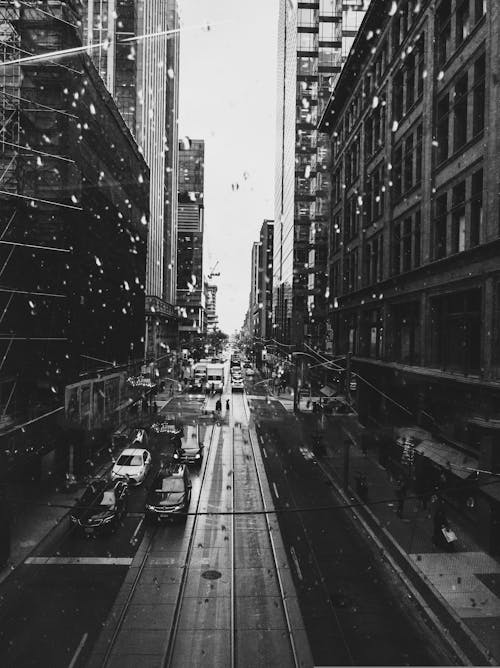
x=440 y=614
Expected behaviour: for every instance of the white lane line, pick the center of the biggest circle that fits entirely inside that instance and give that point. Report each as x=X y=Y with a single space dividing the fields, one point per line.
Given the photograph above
x=83 y=561
x=264 y=452
x=276 y=490
x=78 y=650
x=296 y=562
x=133 y=540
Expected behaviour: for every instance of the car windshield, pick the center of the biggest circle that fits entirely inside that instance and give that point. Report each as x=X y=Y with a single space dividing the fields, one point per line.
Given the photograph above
x=129 y=460
x=169 y=485
x=108 y=500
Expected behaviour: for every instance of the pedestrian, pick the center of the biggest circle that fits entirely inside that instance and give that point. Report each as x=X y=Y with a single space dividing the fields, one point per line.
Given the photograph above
x=155 y=407
x=218 y=406
x=227 y=404
x=440 y=522
x=401 y=490
x=362 y=487
x=213 y=389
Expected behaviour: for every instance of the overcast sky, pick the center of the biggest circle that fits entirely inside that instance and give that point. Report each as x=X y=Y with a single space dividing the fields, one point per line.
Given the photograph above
x=228 y=98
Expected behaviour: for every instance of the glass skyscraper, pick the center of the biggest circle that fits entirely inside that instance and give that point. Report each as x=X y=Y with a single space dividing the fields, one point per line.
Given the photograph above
x=311 y=37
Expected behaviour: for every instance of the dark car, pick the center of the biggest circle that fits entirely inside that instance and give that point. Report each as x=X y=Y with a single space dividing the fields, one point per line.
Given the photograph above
x=101 y=507
x=189 y=450
x=169 y=495
x=168 y=427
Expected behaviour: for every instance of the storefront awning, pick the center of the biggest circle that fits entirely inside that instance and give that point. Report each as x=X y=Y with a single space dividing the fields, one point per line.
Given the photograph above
x=448 y=457
x=327 y=391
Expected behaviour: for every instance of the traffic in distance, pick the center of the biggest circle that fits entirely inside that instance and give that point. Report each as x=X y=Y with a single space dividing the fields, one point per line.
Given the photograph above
x=105 y=501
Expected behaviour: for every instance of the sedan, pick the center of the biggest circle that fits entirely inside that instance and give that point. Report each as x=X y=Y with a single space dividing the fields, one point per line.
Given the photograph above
x=101 y=507
x=170 y=494
x=132 y=465
x=189 y=450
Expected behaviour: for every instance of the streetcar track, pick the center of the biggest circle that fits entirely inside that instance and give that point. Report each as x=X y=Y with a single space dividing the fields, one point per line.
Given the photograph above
x=142 y=565
x=318 y=570
x=271 y=538
x=169 y=652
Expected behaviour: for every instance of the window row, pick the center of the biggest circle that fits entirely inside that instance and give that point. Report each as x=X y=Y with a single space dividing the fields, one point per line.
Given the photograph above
x=455 y=20
x=408 y=82
x=407 y=163
x=406 y=244
x=458 y=217
x=460 y=111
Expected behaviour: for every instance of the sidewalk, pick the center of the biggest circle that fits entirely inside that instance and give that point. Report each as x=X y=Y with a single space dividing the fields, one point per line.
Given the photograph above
x=466 y=580
x=39 y=509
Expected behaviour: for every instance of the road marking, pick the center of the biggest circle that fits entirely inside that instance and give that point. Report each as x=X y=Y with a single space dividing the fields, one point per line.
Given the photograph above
x=296 y=562
x=82 y=561
x=78 y=650
x=276 y=490
x=137 y=529
x=264 y=452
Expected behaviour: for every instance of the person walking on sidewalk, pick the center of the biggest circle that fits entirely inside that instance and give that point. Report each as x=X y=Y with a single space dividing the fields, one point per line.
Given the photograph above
x=401 y=490
x=441 y=526
x=227 y=405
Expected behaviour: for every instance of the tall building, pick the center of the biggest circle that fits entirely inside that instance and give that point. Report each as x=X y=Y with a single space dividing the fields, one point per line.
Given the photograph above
x=73 y=220
x=211 y=307
x=135 y=47
x=311 y=36
x=190 y=288
x=253 y=302
x=414 y=269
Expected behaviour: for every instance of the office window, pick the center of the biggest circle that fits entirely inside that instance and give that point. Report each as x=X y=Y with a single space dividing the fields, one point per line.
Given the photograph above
x=307 y=17
x=443 y=31
x=406 y=332
x=456 y=331
x=440 y=223
x=476 y=214
x=479 y=9
x=351 y=271
x=442 y=129
x=335 y=237
x=373 y=260
x=420 y=51
x=397 y=96
x=395 y=33
x=458 y=218
x=368 y=137
x=463 y=21
x=405 y=244
x=478 y=96
x=460 y=113
x=410 y=81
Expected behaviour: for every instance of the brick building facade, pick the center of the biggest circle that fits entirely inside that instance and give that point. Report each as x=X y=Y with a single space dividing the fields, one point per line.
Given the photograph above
x=414 y=247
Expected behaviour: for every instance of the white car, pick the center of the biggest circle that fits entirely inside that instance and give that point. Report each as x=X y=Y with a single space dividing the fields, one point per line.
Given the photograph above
x=133 y=465
x=237 y=385
x=249 y=372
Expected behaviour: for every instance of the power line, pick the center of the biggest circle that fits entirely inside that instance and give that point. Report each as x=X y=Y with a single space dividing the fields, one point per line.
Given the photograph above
x=38 y=104
x=49 y=248
x=42 y=201
x=35 y=294
x=34 y=150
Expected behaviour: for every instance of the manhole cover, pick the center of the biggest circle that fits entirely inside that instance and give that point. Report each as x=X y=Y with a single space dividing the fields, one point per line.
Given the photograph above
x=211 y=575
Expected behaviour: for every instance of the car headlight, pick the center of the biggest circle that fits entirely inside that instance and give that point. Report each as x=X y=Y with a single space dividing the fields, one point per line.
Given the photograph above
x=176 y=508
x=148 y=507
x=197 y=456
x=176 y=455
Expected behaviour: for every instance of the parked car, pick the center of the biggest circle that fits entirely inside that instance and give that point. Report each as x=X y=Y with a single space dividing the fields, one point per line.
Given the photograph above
x=132 y=465
x=101 y=507
x=190 y=450
x=170 y=494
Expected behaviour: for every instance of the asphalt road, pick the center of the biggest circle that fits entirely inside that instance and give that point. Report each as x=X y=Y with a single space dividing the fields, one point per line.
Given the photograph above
x=52 y=612
x=354 y=609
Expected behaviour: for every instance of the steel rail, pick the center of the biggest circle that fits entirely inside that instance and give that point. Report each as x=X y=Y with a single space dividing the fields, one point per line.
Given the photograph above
x=233 y=560
x=271 y=539
x=169 y=651
x=140 y=570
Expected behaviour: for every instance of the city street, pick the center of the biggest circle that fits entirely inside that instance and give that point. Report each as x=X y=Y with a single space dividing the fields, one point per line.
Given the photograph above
x=351 y=606
x=59 y=598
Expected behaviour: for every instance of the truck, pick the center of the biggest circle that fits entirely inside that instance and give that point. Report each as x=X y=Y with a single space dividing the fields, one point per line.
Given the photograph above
x=215 y=377
x=200 y=372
